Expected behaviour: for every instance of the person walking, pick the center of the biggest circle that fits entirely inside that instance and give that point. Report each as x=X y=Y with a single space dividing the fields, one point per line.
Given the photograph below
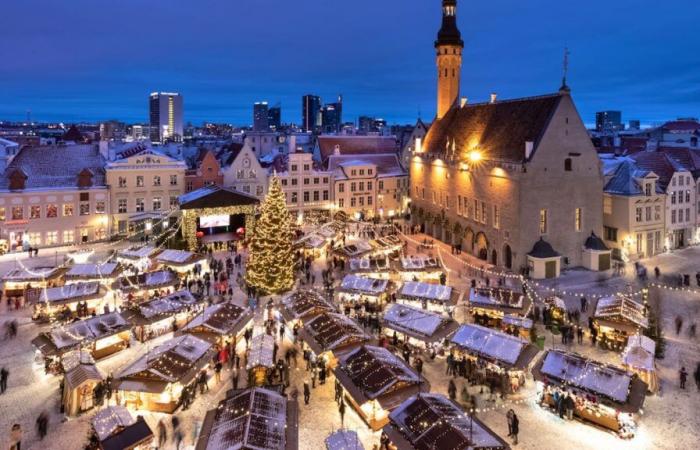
x=4 y=374
x=683 y=375
x=696 y=376
x=515 y=428
x=679 y=325
x=162 y=434
x=42 y=425
x=341 y=410
x=16 y=437
x=307 y=392
x=509 y=418
x=234 y=378
x=452 y=390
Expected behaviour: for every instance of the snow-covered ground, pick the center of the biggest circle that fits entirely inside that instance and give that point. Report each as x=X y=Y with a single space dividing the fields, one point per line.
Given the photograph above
x=670 y=419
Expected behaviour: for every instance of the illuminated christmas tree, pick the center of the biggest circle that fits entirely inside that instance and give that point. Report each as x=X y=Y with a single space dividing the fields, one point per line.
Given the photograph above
x=270 y=266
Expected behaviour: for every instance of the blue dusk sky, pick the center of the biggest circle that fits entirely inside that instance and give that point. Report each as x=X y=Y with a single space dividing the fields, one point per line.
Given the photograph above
x=93 y=60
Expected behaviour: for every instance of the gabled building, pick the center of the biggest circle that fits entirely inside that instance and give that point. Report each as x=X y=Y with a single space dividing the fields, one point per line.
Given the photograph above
x=204 y=171
x=414 y=140
x=244 y=172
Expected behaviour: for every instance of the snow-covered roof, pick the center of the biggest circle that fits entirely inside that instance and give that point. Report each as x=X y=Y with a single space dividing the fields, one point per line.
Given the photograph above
x=556 y=302
x=302 y=302
x=88 y=330
x=364 y=284
x=178 y=256
x=413 y=319
x=91 y=270
x=432 y=421
x=343 y=440
x=639 y=352
x=428 y=291
x=355 y=248
x=375 y=370
x=369 y=264
x=251 y=419
x=489 y=343
x=621 y=307
x=387 y=242
x=148 y=280
x=35 y=273
x=70 y=292
x=110 y=420
x=137 y=252
x=590 y=375
x=496 y=297
x=222 y=318
x=419 y=262
x=74 y=358
x=518 y=321
x=261 y=348
x=333 y=330
x=169 y=304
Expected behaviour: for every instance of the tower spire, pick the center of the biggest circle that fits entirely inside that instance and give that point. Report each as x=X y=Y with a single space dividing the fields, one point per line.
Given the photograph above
x=565 y=71
x=448 y=46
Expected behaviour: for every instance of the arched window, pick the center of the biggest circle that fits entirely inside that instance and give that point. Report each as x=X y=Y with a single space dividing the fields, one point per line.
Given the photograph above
x=568 y=165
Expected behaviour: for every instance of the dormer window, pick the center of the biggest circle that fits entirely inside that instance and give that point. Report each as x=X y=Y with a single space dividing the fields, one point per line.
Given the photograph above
x=18 y=180
x=85 y=178
x=648 y=189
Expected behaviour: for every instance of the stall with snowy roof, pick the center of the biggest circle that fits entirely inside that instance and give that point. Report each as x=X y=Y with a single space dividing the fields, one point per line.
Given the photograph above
x=114 y=428
x=17 y=281
x=68 y=301
x=256 y=418
x=104 y=273
x=355 y=248
x=355 y=288
x=419 y=268
x=137 y=256
x=260 y=359
x=517 y=325
x=555 y=311
x=432 y=421
x=639 y=357
x=221 y=323
x=490 y=305
x=376 y=381
x=616 y=318
x=498 y=358
x=371 y=266
x=102 y=336
x=162 y=315
x=182 y=261
x=343 y=440
x=431 y=296
x=331 y=334
x=301 y=305
x=387 y=245
x=156 y=379
x=80 y=379
x=147 y=284
x=416 y=326
x=602 y=394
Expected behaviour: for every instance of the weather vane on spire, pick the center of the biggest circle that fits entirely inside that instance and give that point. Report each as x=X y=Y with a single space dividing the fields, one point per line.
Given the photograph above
x=565 y=68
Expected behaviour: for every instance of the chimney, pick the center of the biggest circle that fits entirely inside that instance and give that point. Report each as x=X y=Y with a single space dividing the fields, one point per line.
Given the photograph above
x=292 y=143
x=529 y=146
x=463 y=101
x=494 y=96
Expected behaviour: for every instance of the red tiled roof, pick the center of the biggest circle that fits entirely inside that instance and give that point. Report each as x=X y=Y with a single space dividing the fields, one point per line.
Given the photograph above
x=682 y=125
x=356 y=145
x=658 y=162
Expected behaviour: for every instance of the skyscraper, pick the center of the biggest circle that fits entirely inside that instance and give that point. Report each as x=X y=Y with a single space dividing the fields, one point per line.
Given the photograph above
x=165 y=116
x=260 y=117
x=609 y=121
x=274 y=117
x=332 y=116
x=311 y=110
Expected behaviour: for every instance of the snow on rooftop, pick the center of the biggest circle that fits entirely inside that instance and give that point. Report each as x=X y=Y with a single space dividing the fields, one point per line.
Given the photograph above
x=417 y=262
x=364 y=284
x=109 y=420
x=496 y=297
x=175 y=256
x=343 y=440
x=90 y=329
x=138 y=252
x=91 y=270
x=356 y=248
x=69 y=291
x=376 y=370
x=623 y=307
x=21 y=274
x=413 y=319
x=165 y=305
x=489 y=343
x=417 y=289
x=639 y=352
x=261 y=349
x=611 y=382
x=187 y=348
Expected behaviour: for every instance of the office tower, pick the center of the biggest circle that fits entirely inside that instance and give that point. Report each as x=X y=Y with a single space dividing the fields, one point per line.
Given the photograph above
x=609 y=121
x=260 y=118
x=274 y=117
x=311 y=112
x=332 y=116
x=165 y=110
x=635 y=125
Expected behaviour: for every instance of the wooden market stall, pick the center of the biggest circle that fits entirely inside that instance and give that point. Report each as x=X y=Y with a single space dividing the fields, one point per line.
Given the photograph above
x=302 y=304
x=372 y=266
x=256 y=418
x=138 y=256
x=147 y=284
x=517 y=326
x=418 y=327
x=555 y=311
x=430 y=296
x=330 y=334
x=432 y=421
x=358 y=288
x=604 y=395
x=105 y=273
x=498 y=359
x=114 y=428
x=356 y=248
x=260 y=359
x=387 y=245
x=101 y=336
x=162 y=315
x=419 y=268
x=490 y=305
x=17 y=281
x=639 y=357
x=220 y=323
x=182 y=261
x=616 y=318
x=376 y=381
x=343 y=440
x=69 y=301
x=155 y=380
x=79 y=382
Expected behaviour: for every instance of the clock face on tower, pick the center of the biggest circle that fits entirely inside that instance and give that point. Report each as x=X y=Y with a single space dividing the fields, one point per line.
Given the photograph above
x=246 y=163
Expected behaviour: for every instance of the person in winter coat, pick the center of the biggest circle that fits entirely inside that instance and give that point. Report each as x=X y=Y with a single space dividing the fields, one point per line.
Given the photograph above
x=509 y=418
x=515 y=428
x=696 y=375
x=341 y=410
x=683 y=375
x=452 y=390
x=16 y=437
x=307 y=392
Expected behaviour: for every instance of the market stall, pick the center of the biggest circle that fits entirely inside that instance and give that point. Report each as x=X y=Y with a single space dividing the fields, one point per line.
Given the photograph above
x=79 y=382
x=602 y=394
x=371 y=266
x=497 y=359
x=182 y=261
x=102 y=336
x=137 y=256
x=387 y=245
x=155 y=380
x=419 y=268
x=330 y=334
x=432 y=421
x=343 y=440
x=303 y=304
x=490 y=305
x=416 y=326
x=554 y=311
x=355 y=288
x=162 y=314
x=17 y=281
x=257 y=418
x=616 y=318
x=639 y=357
x=220 y=323
x=72 y=300
x=260 y=359
x=114 y=428
x=376 y=381
x=430 y=296
x=355 y=248
x=517 y=326
x=147 y=284
x=105 y=273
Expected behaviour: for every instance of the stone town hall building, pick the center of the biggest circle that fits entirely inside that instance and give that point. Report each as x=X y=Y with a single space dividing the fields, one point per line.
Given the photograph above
x=507 y=178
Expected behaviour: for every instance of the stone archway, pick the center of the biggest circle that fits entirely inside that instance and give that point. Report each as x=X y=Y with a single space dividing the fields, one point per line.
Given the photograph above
x=508 y=257
x=481 y=244
x=494 y=257
x=469 y=240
